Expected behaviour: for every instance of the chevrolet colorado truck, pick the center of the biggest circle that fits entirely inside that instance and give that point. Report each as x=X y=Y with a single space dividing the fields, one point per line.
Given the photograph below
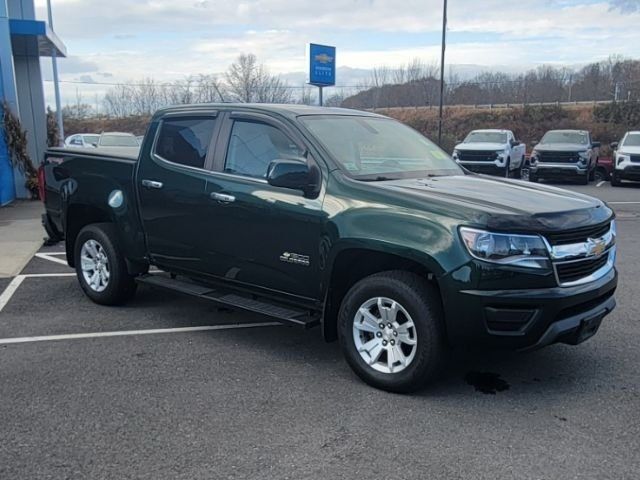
x=626 y=158
x=564 y=155
x=343 y=219
x=492 y=152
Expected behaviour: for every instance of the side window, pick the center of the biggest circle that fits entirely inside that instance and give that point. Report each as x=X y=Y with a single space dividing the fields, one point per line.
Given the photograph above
x=185 y=140
x=76 y=141
x=253 y=145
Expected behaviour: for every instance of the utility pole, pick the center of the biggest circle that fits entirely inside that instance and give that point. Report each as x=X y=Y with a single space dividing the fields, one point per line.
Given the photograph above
x=444 y=34
x=56 y=85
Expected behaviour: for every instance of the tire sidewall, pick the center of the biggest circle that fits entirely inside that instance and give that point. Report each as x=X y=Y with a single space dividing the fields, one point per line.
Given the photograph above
x=428 y=337
x=104 y=234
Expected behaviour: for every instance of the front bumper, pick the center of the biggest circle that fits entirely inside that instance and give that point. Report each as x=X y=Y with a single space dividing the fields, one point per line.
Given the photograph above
x=628 y=172
x=495 y=167
x=527 y=319
x=560 y=171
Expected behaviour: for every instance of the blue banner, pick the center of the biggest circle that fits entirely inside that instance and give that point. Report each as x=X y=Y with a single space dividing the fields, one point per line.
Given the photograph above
x=322 y=65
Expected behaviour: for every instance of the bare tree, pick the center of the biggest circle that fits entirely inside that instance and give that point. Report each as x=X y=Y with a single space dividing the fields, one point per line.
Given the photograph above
x=249 y=81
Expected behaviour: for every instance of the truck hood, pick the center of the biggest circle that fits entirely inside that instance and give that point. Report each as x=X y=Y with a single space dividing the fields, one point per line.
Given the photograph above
x=561 y=147
x=503 y=204
x=481 y=146
x=629 y=150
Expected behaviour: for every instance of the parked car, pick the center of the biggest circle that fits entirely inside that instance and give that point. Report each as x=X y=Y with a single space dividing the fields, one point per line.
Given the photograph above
x=491 y=151
x=604 y=167
x=344 y=219
x=564 y=155
x=118 y=142
x=82 y=140
x=627 y=159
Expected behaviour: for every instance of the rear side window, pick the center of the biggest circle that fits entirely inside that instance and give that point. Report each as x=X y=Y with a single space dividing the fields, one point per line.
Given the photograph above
x=253 y=145
x=185 y=140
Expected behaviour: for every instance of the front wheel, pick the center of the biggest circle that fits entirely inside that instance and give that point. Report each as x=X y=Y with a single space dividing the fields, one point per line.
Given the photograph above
x=615 y=179
x=100 y=265
x=390 y=327
x=507 y=168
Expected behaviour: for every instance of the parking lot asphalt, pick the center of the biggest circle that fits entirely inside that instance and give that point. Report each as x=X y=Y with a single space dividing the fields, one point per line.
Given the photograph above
x=278 y=402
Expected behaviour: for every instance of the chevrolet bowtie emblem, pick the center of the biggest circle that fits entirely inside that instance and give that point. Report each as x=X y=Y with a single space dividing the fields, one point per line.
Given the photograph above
x=595 y=246
x=324 y=58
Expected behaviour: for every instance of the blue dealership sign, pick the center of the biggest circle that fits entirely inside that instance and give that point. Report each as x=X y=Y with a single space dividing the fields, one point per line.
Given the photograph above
x=322 y=65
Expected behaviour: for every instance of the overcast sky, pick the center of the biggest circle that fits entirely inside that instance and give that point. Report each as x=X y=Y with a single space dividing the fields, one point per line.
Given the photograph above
x=120 y=40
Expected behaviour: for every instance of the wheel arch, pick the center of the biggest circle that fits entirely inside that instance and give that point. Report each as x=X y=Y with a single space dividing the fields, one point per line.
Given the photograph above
x=353 y=263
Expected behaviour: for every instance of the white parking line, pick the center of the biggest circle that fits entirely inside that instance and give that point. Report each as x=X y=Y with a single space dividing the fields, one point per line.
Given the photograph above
x=47 y=256
x=123 y=333
x=600 y=183
x=10 y=290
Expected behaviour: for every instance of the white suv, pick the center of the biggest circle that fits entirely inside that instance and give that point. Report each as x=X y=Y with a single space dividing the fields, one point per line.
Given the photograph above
x=626 y=158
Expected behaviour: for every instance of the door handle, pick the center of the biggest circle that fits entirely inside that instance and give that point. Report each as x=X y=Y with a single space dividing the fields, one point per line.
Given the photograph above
x=222 y=197
x=151 y=184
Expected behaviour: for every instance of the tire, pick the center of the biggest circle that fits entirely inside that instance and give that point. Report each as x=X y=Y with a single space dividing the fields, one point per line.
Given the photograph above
x=507 y=167
x=592 y=174
x=615 y=180
x=418 y=302
x=600 y=174
x=533 y=177
x=104 y=262
x=584 y=180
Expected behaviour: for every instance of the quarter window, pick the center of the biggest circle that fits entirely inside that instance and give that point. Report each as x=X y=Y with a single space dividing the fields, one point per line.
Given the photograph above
x=253 y=145
x=185 y=140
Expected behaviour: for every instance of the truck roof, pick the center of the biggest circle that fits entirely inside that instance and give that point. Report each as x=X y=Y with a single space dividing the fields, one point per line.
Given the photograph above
x=283 y=109
x=568 y=130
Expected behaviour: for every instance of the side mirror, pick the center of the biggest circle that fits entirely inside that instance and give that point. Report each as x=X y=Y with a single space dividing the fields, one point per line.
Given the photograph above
x=613 y=145
x=94 y=144
x=294 y=174
x=595 y=144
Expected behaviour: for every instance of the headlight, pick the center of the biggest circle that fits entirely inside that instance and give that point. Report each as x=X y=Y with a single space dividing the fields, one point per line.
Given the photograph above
x=533 y=158
x=621 y=157
x=584 y=154
x=456 y=154
x=528 y=251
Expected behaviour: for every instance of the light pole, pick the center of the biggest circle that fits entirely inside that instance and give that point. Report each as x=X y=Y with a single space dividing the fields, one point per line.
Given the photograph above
x=56 y=85
x=444 y=35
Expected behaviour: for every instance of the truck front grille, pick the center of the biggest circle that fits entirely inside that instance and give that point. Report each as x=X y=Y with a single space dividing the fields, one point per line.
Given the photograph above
x=558 y=157
x=477 y=155
x=577 y=235
x=635 y=158
x=576 y=270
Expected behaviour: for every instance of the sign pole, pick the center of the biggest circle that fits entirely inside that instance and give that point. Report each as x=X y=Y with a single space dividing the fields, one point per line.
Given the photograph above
x=320 y=94
x=444 y=33
x=56 y=84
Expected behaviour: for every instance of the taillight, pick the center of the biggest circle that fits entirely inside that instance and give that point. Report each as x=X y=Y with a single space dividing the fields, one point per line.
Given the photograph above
x=41 y=183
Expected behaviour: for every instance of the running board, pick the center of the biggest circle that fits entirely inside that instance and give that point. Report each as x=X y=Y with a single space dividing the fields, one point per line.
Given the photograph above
x=293 y=315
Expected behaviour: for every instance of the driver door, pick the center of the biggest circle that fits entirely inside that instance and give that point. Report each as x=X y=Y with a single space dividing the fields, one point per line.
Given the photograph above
x=259 y=235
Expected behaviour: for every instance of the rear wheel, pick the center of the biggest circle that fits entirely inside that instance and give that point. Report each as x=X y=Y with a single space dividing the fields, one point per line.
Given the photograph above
x=100 y=265
x=391 y=332
x=600 y=174
x=592 y=174
x=532 y=177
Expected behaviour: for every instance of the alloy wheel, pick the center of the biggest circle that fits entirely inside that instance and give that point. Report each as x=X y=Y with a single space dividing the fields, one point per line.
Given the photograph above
x=94 y=265
x=385 y=335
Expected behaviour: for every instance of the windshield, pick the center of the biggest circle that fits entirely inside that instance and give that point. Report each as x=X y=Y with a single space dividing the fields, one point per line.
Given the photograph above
x=486 y=137
x=565 y=137
x=369 y=148
x=631 y=140
x=118 y=141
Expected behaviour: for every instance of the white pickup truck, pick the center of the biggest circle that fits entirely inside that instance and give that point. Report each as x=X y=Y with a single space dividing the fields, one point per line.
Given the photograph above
x=626 y=157
x=491 y=151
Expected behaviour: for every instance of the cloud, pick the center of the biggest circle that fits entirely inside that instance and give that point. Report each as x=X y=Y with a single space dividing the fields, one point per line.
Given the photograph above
x=626 y=6
x=75 y=64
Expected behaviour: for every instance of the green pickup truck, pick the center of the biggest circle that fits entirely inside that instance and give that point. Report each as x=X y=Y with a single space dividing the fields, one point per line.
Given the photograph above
x=341 y=219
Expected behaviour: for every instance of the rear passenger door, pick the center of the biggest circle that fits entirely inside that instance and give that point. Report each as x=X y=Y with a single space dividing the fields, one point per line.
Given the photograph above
x=171 y=178
x=255 y=231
